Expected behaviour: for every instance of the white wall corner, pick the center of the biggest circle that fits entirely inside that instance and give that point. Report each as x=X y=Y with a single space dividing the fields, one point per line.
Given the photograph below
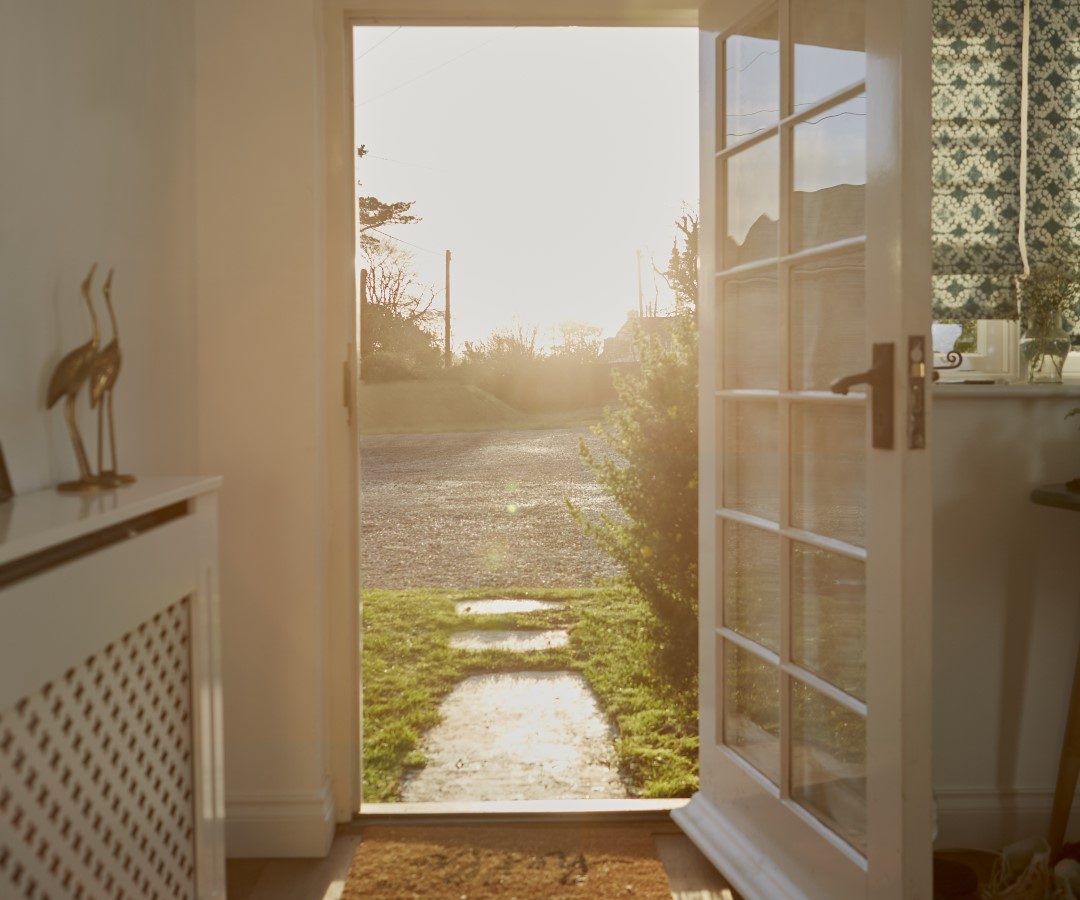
x=989 y=818
x=280 y=826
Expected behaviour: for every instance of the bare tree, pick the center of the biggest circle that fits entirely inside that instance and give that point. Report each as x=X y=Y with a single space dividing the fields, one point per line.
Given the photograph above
x=393 y=284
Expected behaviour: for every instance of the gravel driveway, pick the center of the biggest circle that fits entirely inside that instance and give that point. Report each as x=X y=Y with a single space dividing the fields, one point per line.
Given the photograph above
x=478 y=509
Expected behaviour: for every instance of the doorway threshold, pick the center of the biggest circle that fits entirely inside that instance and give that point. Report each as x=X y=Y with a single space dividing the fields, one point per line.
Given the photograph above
x=488 y=811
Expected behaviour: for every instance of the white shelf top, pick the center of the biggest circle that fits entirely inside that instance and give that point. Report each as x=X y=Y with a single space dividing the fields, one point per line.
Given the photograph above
x=33 y=522
x=1070 y=388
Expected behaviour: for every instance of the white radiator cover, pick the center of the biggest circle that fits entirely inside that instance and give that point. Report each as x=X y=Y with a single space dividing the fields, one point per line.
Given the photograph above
x=110 y=767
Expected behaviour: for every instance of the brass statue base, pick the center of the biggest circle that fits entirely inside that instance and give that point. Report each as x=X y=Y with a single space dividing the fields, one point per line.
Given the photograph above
x=82 y=486
x=106 y=481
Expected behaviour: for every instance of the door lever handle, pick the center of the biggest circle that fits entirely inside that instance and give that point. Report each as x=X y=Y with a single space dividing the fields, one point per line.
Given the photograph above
x=880 y=379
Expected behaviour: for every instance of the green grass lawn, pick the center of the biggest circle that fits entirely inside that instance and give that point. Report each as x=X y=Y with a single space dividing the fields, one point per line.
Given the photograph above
x=409 y=668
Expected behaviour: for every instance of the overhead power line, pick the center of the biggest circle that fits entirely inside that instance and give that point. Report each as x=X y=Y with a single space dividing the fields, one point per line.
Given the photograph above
x=407 y=243
x=752 y=61
x=378 y=44
x=441 y=65
x=400 y=162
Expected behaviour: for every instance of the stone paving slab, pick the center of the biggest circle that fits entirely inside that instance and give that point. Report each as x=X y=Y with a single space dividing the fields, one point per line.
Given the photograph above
x=515 y=641
x=500 y=606
x=518 y=736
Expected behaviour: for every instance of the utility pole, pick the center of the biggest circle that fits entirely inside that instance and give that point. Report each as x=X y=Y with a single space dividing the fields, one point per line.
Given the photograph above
x=447 y=351
x=366 y=334
x=640 y=295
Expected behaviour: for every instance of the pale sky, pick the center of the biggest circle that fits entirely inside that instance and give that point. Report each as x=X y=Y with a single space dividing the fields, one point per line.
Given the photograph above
x=542 y=157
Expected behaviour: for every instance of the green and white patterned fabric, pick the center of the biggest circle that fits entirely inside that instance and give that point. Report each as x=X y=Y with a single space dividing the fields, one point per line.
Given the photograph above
x=977 y=60
x=1053 y=192
x=977 y=93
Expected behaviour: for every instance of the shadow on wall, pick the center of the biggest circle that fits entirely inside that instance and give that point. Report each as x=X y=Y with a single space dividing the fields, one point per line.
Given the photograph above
x=1006 y=623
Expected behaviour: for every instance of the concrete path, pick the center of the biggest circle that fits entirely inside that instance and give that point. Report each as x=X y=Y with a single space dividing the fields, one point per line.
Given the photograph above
x=514 y=641
x=518 y=736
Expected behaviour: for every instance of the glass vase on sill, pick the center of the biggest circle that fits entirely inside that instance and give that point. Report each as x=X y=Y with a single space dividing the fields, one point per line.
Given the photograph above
x=1044 y=347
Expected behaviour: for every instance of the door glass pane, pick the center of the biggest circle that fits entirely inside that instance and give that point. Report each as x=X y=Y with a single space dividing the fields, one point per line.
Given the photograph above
x=828 y=763
x=828 y=469
x=752 y=79
x=752 y=709
x=753 y=203
x=751 y=460
x=830 y=176
x=828 y=325
x=828 y=616
x=830 y=40
x=750 y=347
x=752 y=583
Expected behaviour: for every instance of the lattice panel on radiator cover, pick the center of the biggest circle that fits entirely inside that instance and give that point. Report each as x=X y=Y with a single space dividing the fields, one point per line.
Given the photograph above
x=96 y=780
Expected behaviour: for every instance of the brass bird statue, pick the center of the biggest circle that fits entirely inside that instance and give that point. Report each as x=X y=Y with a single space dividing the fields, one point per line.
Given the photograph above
x=104 y=371
x=67 y=380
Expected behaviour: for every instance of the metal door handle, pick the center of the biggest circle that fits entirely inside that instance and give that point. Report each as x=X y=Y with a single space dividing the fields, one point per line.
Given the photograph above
x=880 y=379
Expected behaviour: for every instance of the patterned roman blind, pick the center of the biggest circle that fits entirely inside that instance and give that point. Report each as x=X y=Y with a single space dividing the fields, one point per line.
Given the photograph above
x=1053 y=190
x=976 y=94
x=979 y=133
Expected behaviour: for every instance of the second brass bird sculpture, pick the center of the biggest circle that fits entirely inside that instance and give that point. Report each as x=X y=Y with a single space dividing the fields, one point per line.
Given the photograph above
x=67 y=380
x=104 y=371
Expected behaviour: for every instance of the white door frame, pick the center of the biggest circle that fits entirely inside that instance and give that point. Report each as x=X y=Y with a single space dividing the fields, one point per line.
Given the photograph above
x=338 y=17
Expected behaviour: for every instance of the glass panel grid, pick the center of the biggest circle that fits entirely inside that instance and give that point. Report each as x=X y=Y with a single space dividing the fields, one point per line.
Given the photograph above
x=751 y=459
x=751 y=76
x=827 y=453
x=751 y=604
x=750 y=691
x=829 y=46
x=829 y=175
x=827 y=320
x=748 y=350
x=828 y=763
x=785 y=735
x=752 y=208
x=828 y=616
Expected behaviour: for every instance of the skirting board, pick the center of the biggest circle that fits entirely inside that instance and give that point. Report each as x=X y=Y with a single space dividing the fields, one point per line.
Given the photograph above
x=992 y=819
x=283 y=826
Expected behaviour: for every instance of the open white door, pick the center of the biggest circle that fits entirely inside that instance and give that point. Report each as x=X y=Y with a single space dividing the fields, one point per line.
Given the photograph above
x=815 y=526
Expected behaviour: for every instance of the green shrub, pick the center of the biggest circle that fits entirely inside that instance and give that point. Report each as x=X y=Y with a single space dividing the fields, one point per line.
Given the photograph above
x=651 y=472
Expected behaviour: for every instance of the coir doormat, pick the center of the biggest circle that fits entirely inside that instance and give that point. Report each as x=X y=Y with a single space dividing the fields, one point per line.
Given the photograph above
x=507 y=861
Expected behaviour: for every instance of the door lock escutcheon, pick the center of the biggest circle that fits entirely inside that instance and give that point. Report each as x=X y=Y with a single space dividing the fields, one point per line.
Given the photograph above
x=916 y=392
x=879 y=377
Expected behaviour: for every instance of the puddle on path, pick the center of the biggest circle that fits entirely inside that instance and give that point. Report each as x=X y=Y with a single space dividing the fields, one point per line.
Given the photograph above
x=503 y=606
x=516 y=641
x=518 y=736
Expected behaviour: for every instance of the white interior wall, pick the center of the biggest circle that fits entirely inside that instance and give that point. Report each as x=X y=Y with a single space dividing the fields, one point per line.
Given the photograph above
x=1006 y=613
x=260 y=283
x=96 y=164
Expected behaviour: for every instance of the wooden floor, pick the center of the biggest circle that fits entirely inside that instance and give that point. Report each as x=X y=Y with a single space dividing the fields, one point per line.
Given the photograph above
x=691 y=876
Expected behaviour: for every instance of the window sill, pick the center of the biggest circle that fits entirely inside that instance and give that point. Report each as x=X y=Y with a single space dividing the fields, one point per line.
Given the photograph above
x=954 y=390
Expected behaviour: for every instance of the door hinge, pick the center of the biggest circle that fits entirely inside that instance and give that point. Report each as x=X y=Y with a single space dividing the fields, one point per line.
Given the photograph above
x=348 y=393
